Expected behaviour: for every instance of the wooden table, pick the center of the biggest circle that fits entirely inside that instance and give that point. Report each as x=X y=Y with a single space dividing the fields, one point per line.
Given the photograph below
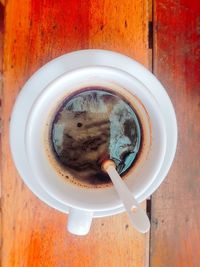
x=165 y=37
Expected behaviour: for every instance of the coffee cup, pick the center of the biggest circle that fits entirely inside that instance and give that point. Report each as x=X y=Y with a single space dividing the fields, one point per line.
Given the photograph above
x=84 y=201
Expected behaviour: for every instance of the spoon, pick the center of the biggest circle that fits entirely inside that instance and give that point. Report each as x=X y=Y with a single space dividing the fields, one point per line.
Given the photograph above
x=136 y=214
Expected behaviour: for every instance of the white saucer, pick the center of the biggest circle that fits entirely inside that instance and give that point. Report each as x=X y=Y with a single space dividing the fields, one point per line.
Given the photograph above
x=59 y=66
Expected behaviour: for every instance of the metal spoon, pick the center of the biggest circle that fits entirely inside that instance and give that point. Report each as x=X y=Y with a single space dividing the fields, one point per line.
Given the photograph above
x=136 y=214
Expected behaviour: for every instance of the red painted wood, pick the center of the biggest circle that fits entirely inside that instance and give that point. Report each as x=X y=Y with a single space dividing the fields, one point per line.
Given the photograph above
x=175 y=235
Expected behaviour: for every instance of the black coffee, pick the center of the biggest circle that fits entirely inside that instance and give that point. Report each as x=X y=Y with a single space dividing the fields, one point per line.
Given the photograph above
x=93 y=125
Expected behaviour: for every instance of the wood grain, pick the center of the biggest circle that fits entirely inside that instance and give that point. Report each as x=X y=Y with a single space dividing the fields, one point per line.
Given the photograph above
x=2 y=2
x=175 y=235
x=1 y=71
x=120 y=27
x=1 y=87
x=33 y=234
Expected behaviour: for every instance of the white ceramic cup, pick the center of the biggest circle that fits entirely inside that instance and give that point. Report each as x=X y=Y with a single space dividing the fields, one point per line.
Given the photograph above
x=83 y=202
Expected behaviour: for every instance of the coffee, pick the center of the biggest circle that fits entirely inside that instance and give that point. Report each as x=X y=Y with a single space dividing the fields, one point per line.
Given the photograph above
x=90 y=126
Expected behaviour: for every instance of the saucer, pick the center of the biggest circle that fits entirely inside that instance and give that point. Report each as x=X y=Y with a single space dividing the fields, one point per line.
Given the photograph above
x=36 y=84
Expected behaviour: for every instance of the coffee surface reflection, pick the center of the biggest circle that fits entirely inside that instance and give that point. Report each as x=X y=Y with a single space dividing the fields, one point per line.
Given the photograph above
x=92 y=125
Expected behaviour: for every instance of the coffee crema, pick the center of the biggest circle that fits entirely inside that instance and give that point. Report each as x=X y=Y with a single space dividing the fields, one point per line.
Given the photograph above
x=90 y=126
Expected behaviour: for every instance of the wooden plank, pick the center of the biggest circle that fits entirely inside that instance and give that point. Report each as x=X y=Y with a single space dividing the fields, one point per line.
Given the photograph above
x=175 y=235
x=2 y=2
x=1 y=87
x=1 y=68
x=121 y=27
x=34 y=234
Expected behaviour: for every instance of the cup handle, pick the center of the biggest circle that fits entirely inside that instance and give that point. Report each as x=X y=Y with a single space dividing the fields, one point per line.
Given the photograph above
x=79 y=221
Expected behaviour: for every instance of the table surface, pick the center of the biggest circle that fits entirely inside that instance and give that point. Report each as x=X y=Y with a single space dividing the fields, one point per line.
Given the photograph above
x=165 y=37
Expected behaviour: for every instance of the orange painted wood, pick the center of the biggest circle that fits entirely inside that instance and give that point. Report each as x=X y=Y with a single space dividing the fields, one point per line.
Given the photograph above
x=36 y=31
x=2 y=2
x=175 y=232
x=1 y=85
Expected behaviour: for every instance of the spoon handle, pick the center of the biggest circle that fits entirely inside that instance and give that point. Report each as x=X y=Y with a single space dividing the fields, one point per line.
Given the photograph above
x=136 y=214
